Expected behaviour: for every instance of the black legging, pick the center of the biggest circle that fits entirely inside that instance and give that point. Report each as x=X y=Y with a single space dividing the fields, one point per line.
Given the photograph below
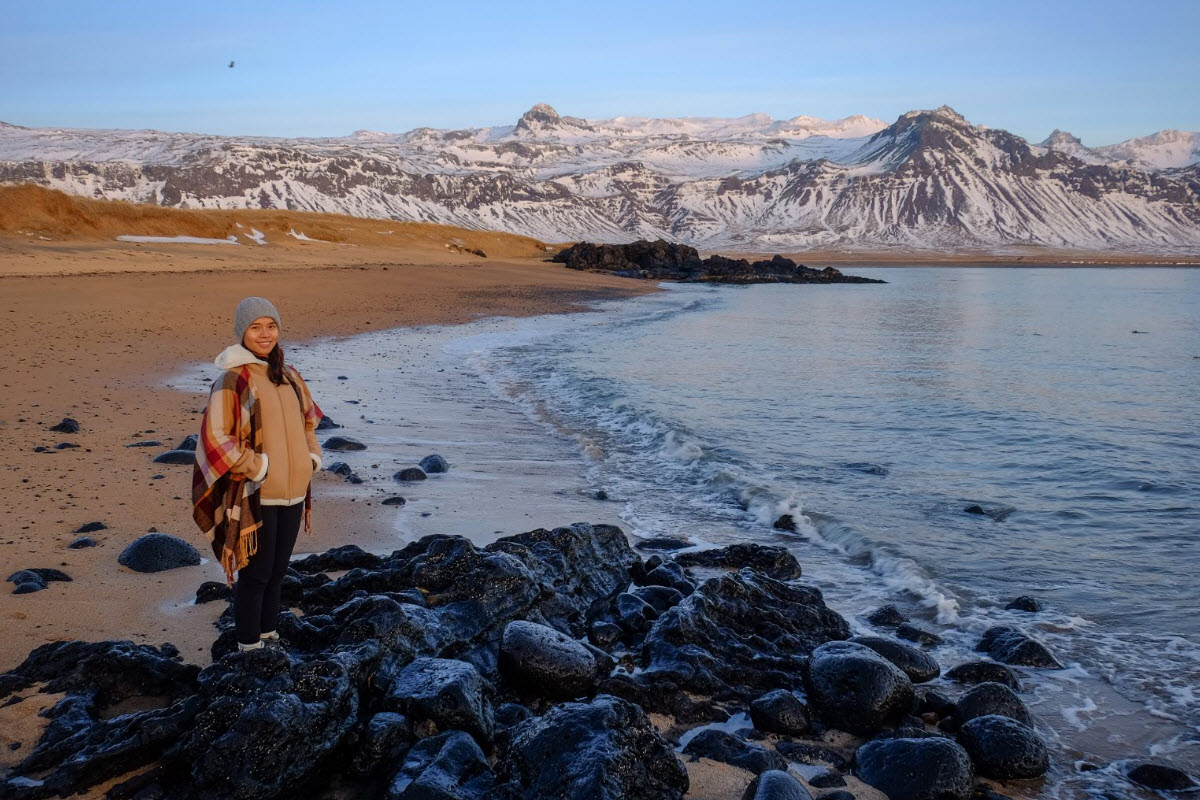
x=256 y=593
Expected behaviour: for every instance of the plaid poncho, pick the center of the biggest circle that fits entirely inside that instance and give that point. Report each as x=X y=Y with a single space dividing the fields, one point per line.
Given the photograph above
x=225 y=505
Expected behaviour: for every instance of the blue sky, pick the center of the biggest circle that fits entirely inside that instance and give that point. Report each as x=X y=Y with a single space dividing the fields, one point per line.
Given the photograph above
x=1105 y=71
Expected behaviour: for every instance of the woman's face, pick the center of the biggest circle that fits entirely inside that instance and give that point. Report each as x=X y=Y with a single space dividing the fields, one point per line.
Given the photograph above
x=261 y=336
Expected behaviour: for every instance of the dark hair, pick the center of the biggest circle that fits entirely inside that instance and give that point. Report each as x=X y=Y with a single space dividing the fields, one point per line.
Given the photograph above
x=275 y=369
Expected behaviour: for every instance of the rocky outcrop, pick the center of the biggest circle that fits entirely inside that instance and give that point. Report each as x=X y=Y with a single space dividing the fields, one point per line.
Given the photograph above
x=662 y=260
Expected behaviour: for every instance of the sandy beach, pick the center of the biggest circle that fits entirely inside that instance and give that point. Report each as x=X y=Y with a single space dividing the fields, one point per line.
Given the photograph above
x=98 y=349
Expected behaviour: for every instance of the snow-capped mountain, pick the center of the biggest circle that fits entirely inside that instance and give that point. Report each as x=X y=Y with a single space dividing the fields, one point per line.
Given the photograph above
x=1164 y=150
x=929 y=180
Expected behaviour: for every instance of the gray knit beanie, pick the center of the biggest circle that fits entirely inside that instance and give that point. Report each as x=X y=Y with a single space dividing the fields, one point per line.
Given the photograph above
x=249 y=310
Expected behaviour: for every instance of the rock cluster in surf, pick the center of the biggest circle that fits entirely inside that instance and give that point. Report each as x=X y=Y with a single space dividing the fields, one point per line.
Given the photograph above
x=528 y=668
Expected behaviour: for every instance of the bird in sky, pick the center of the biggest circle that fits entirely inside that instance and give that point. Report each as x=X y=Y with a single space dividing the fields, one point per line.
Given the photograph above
x=231 y=65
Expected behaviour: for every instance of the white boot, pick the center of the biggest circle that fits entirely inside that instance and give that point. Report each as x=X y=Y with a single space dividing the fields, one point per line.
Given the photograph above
x=256 y=646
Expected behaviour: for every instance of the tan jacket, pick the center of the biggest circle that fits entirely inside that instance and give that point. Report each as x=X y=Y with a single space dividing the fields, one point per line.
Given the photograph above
x=291 y=453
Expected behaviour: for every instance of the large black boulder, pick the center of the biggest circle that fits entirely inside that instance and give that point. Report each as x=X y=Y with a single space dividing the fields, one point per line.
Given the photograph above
x=775 y=784
x=918 y=665
x=983 y=671
x=1003 y=748
x=855 y=689
x=1024 y=603
x=545 y=662
x=915 y=633
x=603 y=750
x=43 y=574
x=1161 y=777
x=269 y=724
x=1008 y=645
x=348 y=556
x=669 y=574
x=722 y=746
x=987 y=698
x=633 y=614
x=449 y=766
x=381 y=743
x=446 y=692
x=775 y=562
x=185 y=457
x=433 y=464
x=886 y=617
x=342 y=444
x=928 y=768
x=661 y=598
x=780 y=711
x=740 y=634
x=155 y=552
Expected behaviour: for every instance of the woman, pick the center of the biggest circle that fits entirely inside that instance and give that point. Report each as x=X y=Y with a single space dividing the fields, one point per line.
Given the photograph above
x=255 y=458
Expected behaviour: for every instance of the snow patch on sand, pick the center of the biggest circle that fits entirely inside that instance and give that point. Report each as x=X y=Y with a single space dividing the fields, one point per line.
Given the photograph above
x=177 y=239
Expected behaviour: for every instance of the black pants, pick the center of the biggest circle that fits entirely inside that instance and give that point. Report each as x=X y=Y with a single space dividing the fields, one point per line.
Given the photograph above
x=256 y=593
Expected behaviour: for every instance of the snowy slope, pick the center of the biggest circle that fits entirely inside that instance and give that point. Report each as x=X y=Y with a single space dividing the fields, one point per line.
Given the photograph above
x=1163 y=150
x=929 y=180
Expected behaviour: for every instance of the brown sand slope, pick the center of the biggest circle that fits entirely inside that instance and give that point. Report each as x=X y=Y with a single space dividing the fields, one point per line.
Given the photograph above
x=43 y=231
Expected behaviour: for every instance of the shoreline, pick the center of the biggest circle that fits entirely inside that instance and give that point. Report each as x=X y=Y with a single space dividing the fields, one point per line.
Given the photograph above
x=336 y=510
x=117 y=338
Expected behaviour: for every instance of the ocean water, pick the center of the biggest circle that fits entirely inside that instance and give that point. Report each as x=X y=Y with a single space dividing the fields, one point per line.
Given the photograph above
x=875 y=415
x=1066 y=402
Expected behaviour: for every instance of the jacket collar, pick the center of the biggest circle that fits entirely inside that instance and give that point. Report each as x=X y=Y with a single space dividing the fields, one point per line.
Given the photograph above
x=236 y=356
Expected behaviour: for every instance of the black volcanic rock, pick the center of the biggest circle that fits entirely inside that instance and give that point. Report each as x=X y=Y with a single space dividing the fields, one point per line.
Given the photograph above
x=434 y=463
x=857 y=690
x=918 y=665
x=780 y=711
x=381 y=743
x=185 y=457
x=740 y=634
x=67 y=425
x=155 y=552
x=671 y=574
x=448 y=766
x=348 y=556
x=722 y=746
x=268 y=724
x=886 y=617
x=1008 y=645
x=983 y=671
x=776 y=784
x=915 y=633
x=446 y=692
x=546 y=662
x=992 y=698
x=603 y=750
x=775 y=562
x=916 y=769
x=1161 y=777
x=274 y=723
x=1024 y=603
x=663 y=260
x=343 y=443
x=1002 y=748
